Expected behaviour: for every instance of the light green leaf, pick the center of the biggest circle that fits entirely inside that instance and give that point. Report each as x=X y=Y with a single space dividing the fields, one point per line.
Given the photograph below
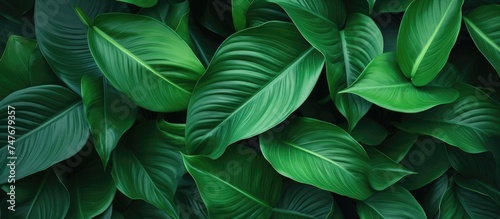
x=383 y=83
x=427 y=34
x=109 y=114
x=157 y=72
x=299 y=201
x=147 y=165
x=466 y=123
x=62 y=37
x=247 y=90
x=369 y=132
x=41 y=114
x=361 y=42
x=384 y=172
x=459 y=202
x=239 y=9
x=428 y=159
x=397 y=146
x=141 y=3
x=483 y=24
x=92 y=189
x=394 y=202
x=41 y=195
x=330 y=159
x=239 y=184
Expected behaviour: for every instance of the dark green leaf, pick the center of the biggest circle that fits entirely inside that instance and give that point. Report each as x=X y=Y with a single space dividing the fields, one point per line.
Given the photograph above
x=479 y=166
x=394 y=202
x=430 y=196
x=384 y=172
x=369 y=132
x=141 y=3
x=397 y=146
x=391 y=6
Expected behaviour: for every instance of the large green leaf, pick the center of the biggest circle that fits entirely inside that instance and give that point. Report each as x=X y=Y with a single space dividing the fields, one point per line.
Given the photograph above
x=427 y=34
x=466 y=123
x=299 y=201
x=49 y=127
x=315 y=19
x=157 y=72
x=147 y=165
x=428 y=159
x=247 y=90
x=394 y=202
x=239 y=8
x=460 y=202
x=330 y=159
x=91 y=189
x=40 y=195
x=361 y=42
x=239 y=184
x=478 y=166
x=384 y=172
x=22 y=66
x=483 y=24
x=382 y=83
x=173 y=14
x=397 y=146
x=63 y=38
x=109 y=114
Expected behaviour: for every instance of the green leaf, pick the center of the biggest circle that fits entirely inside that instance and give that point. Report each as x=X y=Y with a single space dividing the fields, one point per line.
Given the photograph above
x=109 y=114
x=239 y=8
x=14 y=65
x=369 y=132
x=360 y=6
x=459 y=202
x=42 y=113
x=314 y=17
x=91 y=187
x=62 y=37
x=382 y=83
x=427 y=34
x=330 y=159
x=479 y=166
x=391 y=6
x=479 y=187
x=239 y=184
x=188 y=199
x=41 y=195
x=157 y=72
x=147 y=165
x=247 y=90
x=430 y=196
x=394 y=202
x=250 y=13
x=384 y=172
x=301 y=201
x=175 y=15
x=483 y=24
x=140 y=210
x=428 y=158
x=204 y=41
x=397 y=146
x=466 y=123
x=361 y=42
x=141 y=3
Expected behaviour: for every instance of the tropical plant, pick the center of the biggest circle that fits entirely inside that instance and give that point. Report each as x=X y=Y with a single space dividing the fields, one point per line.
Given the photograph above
x=250 y=109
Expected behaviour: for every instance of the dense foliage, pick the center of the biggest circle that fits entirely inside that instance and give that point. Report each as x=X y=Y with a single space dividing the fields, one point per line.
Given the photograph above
x=250 y=109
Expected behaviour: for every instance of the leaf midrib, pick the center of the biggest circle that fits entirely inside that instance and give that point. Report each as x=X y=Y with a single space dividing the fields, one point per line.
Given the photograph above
x=286 y=211
x=256 y=200
x=319 y=156
x=51 y=120
x=276 y=78
x=422 y=53
x=481 y=33
x=135 y=58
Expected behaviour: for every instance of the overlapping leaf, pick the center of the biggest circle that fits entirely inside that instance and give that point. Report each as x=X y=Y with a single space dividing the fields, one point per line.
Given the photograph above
x=384 y=172
x=483 y=24
x=141 y=3
x=383 y=83
x=466 y=123
x=255 y=80
x=41 y=114
x=158 y=72
x=330 y=158
x=427 y=34
x=397 y=146
x=109 y=114
x=248 y=188
x=383 y=205
x=147 y=165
